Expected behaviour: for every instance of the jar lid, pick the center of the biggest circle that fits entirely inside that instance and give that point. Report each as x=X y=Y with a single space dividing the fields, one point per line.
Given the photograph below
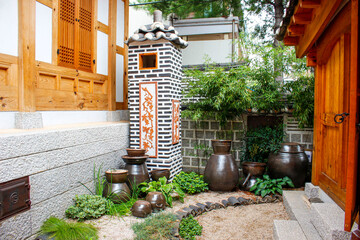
x=291 y=147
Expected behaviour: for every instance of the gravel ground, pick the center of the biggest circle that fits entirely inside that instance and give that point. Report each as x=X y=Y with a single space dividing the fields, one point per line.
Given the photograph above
x=244 y=222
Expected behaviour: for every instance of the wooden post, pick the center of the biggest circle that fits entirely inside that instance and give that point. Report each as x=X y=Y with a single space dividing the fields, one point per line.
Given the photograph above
x=27 y=73
x=126 y=36
x=112 y=56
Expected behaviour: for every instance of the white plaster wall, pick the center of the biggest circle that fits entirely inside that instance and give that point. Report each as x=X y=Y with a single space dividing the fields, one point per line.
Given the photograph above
x=9 y=22
x=119 y=78
x=102 y=53
x=103 y=11
x=43 y=33
x=7 y=120
x=120 y=23
x=51 y=118
x=219 y=51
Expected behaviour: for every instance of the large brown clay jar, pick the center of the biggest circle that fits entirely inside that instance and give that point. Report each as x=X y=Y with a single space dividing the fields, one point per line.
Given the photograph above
x=290 y=161
x=157 y=201
x=116 y=188
x=221 y=171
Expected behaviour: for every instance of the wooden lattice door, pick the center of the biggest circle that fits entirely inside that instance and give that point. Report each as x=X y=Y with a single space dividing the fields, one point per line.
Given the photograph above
x=75 y=34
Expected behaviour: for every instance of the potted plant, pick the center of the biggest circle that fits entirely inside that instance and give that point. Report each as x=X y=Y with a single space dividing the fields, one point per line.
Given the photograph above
x=260 y=142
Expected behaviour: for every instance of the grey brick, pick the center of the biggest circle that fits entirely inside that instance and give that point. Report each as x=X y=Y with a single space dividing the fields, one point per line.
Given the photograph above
x=186 y=161
x=210 y=135
x=238 y=126
x=215 y=125
x=199 y=134
x=189 y=134
x=185 y=142
x=296 y=138
x=307 y=138
x=184 y=124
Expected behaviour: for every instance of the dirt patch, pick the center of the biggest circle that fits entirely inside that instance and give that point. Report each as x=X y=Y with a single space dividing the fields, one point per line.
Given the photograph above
x=243 y=222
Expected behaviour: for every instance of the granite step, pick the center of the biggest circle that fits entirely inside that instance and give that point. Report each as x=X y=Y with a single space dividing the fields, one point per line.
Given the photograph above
x=288 y=230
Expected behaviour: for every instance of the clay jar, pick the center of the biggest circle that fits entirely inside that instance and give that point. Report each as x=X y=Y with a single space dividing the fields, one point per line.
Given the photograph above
x=221 y=171
x=116 y=187
x=157 y=201
x=159 y=173
x=251 y=171
x=290 y=161
x=141 y=209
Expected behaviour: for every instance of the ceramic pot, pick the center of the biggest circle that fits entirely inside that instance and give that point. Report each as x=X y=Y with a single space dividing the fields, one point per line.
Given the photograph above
x=135 y=152
x=116 y=175
x=157 y=201
x=251 y=171
x=141 y=209
x=117 y=192
x=136 y=166
x=159 y=173
x=290 y=161
x=221 y=171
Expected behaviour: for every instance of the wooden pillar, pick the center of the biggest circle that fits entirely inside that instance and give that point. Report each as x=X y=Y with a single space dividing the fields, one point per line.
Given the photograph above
x=126 y=52
x=112 y=56
x=27 y=74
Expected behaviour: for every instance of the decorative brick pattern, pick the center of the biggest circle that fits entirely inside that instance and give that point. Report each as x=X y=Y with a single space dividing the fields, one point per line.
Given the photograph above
x=168 y=78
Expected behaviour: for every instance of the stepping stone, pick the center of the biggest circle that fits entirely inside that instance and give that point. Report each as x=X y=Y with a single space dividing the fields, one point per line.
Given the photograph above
x=210 y=206
x=189 y=210
x=288 y=230
x=202 y=206
x=180 y=214
x=196 y=209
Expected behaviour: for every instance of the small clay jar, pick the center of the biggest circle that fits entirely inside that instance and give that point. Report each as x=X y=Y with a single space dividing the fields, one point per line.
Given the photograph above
x=141 y=209
x=157 y=201
x=159 y=173
x=116 y=175
x=135 y=152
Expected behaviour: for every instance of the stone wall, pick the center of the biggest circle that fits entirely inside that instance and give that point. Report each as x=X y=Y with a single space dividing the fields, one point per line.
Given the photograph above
x=197 y=136
x=57 y=161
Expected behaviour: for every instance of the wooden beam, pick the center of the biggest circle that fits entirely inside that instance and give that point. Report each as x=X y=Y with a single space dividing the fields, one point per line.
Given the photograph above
x=112 y=56
x=309 y=3
x=311 y=58
x=102 y=27
x=323 y=15
x=120 y=50
x=126 y=36
x=48 y=3
x=55 y=31
x=302 y=18
x=353 y=138
x=291 y=41
x=27 y=74
x=296 y=30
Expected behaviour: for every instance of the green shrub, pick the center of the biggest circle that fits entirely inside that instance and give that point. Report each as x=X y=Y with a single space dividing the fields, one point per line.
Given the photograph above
x=189 y=228
x=268 y=186
x=165 y=188
x=87 y=207
x=262 y=141
x=191 y=182
x=156 y=227
x=62 y=230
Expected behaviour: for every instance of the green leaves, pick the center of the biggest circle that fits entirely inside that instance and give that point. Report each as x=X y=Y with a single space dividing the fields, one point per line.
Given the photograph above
x=191 y=182
x=189 y=228
x=268 y=186
x=165 y=188
x=87 y=207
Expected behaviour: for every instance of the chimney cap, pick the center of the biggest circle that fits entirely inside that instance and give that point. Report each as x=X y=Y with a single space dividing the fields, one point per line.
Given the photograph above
x=157 y=16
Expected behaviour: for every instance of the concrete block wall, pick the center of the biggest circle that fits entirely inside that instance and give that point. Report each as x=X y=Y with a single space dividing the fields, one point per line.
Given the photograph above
x=194 y=135
x=57 y=161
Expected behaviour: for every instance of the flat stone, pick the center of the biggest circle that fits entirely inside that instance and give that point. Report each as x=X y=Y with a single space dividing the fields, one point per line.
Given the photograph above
x=180 y=214
x=288 y=230
x=202 y=206
x=311 y=191
x=195 y=208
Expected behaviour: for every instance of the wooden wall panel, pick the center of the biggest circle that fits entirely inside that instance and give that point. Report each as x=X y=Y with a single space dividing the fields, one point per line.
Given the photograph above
x=9 y=92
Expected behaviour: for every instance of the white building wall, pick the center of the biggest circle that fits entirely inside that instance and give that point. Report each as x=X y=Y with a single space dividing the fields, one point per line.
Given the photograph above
x=43 y=33
x=219 y=51
x=102 y=53
x=9 y=25
x=103 y=11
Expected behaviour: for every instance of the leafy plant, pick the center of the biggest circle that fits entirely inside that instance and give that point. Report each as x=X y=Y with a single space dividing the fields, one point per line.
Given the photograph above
x=61 y=230
x=189 y=228
x=262 y=141
x=268 y=186
x=87 y=207
x=220 y=93
x=155 y=227
x=161 y=186
x=191 y=182
x=302 y=97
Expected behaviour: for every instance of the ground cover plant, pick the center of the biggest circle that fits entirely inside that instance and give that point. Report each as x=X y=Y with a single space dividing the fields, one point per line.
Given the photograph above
x=87 y=207
x=155 y=227
x=61 y=230
x=165 y=188
x=189 y=228
x=191 y=183
x=268 y=186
